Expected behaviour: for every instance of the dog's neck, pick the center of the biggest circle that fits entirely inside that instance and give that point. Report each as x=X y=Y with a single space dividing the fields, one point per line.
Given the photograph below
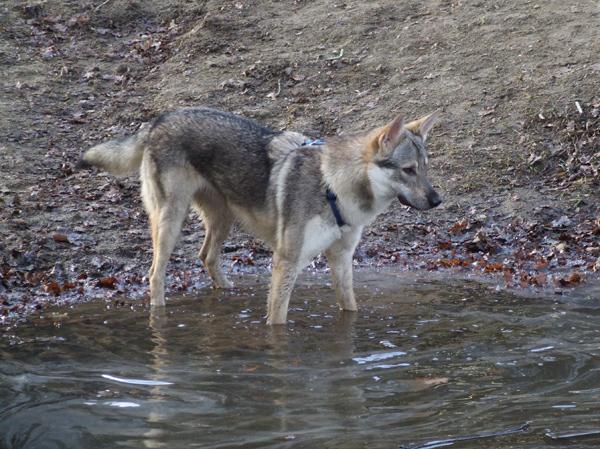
x=345 y=172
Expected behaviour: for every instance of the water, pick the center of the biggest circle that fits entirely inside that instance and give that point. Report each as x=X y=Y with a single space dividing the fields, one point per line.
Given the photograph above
x=421 y=361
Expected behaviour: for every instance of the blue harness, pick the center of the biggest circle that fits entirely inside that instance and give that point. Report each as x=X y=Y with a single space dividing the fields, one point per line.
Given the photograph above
x=331 y=197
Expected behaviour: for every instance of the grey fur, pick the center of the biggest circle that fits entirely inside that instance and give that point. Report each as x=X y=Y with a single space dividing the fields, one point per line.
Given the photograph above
x=231 y=168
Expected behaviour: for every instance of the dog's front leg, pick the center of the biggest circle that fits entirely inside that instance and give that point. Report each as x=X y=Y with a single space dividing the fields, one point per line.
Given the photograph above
x=341 y=272
x=283 y=279
x=339 y=257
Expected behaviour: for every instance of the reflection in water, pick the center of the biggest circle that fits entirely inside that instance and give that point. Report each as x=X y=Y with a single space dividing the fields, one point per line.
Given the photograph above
x=159 y=352
x=330 y=384
x=420 y=361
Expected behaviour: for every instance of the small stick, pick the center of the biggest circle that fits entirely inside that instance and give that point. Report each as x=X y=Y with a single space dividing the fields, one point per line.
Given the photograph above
x=278 y=87
x=274 y=95
x=334 y=58
x=101 y=5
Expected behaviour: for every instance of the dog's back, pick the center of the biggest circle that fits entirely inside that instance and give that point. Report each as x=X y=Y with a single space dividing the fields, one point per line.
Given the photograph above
x=230 y=152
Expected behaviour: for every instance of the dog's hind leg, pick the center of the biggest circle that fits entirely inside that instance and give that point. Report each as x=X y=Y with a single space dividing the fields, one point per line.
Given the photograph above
x=339 y=256
x=217 y=223
x=167 y=201
x=153 y=219
x=170 y=221
x=152 y=198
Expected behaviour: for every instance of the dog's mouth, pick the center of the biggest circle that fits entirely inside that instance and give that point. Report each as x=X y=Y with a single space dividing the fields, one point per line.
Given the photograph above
x=403 y=200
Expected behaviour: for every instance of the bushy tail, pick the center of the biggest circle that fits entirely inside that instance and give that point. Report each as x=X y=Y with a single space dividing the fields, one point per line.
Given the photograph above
x=119 y=156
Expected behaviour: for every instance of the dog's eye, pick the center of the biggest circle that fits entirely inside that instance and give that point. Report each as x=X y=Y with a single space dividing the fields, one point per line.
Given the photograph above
x=387 y=163
x=410 y=171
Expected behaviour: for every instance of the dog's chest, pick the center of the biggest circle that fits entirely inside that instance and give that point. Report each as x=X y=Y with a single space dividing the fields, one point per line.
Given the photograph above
x=318 y=236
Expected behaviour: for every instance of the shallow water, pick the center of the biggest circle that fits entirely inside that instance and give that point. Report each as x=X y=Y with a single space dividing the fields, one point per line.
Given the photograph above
x=421 y=361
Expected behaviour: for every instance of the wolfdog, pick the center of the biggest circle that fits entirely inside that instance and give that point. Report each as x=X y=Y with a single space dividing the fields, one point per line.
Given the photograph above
x=303 y=198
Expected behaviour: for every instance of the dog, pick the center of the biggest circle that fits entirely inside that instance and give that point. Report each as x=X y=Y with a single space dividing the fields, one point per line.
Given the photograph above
x=301 y=197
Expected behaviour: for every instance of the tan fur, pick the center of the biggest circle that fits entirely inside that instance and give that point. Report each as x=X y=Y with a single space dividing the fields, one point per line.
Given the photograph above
x=415 y=125
x=119 y=157
x=284 y=143
x=372 y=143
x=281 y=197
x=218 y=219
x=283 y=279
x=344 y=165
x=422 y=125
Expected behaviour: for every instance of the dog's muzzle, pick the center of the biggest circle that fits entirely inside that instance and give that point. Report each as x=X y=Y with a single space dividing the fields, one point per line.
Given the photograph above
x=433 y=200
x=403 y=200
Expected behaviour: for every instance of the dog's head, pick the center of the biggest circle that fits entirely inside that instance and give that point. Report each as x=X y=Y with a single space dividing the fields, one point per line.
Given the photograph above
x=397 y=162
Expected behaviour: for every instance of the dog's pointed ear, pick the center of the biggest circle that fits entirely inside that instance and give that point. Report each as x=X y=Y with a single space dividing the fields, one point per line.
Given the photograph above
x=389 y=136
x=424 y=124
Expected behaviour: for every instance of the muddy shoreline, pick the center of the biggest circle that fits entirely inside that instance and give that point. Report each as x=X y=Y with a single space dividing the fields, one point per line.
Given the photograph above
x=515 y=155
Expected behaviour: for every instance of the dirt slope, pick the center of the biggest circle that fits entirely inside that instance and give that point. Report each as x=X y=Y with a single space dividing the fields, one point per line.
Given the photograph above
x=516 y=154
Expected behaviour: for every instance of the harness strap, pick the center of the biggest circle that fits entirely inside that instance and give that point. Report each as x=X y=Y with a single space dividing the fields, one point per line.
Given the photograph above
x=332 y=200
x=331 y=197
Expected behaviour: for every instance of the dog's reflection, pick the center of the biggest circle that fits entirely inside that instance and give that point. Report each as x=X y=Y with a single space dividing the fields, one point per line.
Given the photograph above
x=283 y=372
x=315 y=372
x=155 y=435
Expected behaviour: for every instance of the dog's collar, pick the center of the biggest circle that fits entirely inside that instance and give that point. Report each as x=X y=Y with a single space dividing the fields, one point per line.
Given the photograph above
x=331 y=197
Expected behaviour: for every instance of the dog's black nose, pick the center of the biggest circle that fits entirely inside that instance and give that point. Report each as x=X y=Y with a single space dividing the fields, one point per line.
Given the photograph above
x=434 y=199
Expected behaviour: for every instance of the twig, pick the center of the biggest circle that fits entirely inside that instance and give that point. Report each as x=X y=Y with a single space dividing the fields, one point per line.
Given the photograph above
x=101 y=5
x=335 y=58
x=274 y=95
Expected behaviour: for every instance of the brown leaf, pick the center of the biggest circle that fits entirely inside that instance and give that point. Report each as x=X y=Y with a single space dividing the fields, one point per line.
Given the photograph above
x=524 y=280
x=449 y=263
x=508 y=277
x=34 y=278
x=481 y=243
x=60 y=238
x=493 y=267
x=573 y=278
x=459 y=226
x=445 y=245
x=108 y=282
x=78 y=20
x=52 y=287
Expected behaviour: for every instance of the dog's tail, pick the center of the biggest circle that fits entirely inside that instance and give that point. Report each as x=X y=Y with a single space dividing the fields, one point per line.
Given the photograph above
x=119 y=156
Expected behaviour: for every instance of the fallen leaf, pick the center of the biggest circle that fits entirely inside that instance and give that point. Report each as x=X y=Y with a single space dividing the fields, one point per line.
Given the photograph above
x=445 y=245
x=508 y=277
x=573 y=278
x=52 y=287
x=108 y=282
x=60 y=238
x=459 y=226
x=493 y=267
